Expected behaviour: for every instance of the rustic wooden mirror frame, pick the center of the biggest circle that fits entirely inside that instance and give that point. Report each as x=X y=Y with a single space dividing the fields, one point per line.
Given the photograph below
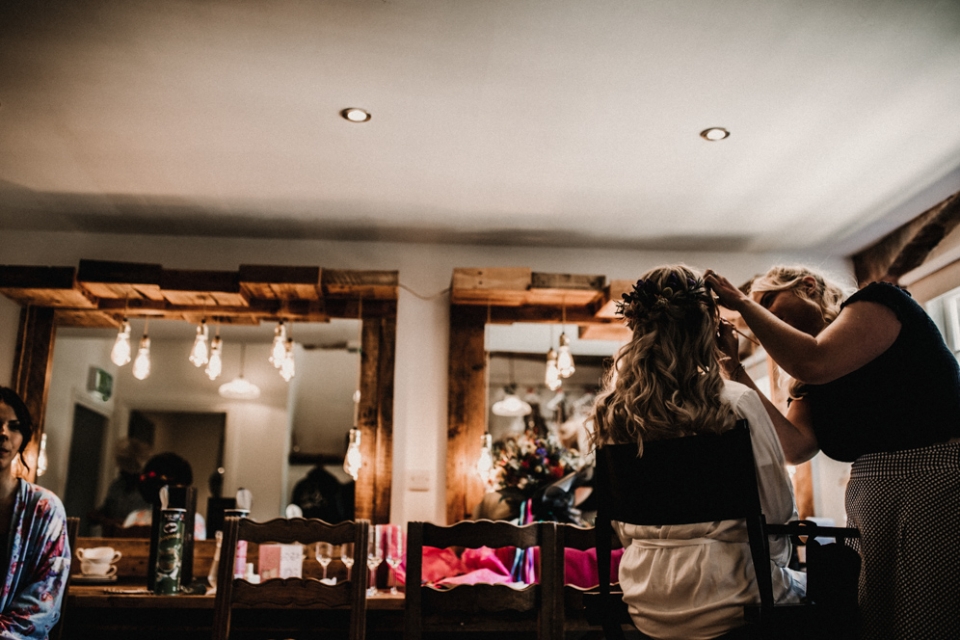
x=98 y=294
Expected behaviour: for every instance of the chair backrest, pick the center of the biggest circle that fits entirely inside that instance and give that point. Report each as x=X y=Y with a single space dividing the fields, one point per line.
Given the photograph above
x=73 y=527
x=291 y=593
x=579 y=601
x=686 y=480
x=476 y=606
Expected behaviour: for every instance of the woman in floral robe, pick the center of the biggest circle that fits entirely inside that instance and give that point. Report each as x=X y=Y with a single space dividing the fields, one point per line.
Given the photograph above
x=33 y=536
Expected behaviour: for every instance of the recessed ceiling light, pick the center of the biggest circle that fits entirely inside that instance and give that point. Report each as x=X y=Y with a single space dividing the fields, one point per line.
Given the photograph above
x=355 y=115
x=714 y=133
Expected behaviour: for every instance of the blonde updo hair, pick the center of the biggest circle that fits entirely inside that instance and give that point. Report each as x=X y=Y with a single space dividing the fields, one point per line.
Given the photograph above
x=665 y=382
x=828 y=294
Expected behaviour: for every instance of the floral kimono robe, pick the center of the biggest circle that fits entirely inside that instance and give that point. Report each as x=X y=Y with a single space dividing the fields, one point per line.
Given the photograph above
x=39 y=565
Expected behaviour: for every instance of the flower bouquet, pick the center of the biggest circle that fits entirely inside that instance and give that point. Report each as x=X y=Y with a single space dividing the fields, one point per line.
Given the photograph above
x=527 y=465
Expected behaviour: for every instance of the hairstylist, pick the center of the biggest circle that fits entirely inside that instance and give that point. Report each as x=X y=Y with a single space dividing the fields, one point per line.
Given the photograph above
x=874 y=384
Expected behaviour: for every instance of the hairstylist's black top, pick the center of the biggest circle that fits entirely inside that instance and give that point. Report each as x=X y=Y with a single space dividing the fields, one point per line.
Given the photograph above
x=907 y=397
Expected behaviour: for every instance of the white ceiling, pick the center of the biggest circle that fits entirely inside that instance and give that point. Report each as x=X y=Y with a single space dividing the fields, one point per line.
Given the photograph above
x=554 y=122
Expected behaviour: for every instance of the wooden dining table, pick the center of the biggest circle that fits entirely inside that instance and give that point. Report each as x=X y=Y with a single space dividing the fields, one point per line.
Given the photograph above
x=122 y=610
x=126 y=609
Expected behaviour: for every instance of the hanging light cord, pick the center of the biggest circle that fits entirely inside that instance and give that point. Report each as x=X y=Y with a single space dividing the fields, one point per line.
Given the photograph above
x=423 y=297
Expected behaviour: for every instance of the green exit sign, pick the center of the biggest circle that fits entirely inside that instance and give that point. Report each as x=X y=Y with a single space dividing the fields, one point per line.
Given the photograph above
x=100 y=383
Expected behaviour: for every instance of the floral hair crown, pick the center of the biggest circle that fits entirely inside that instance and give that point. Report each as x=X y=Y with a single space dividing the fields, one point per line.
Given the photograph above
x=648 y=297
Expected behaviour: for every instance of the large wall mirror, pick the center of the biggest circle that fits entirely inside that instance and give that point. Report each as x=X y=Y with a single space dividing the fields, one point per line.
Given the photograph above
x=342 y=327
x=502 y=323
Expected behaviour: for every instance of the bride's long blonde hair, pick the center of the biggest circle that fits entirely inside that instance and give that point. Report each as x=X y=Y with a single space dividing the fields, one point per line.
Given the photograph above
x=665 y=382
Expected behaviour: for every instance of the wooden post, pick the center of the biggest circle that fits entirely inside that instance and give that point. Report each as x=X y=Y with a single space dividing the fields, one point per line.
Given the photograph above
x=377 y=357
x=466 y=407
x=31 y=373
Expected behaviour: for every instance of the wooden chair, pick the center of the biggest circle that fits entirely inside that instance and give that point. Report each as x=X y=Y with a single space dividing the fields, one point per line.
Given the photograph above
x=705 y=478
x=580 y=605
x=73 y=527
x=291 y=594
x=489 y=608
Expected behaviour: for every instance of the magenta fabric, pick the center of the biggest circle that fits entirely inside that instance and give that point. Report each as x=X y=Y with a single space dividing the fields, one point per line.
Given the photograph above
x=492 y=566
x=580 y=567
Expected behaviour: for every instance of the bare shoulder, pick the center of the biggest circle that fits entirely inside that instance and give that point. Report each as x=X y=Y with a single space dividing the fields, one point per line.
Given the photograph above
x=875 y=318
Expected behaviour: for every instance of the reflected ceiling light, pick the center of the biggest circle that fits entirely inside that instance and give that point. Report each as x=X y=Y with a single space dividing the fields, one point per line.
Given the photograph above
x=198 y=355
x=511 y=406
x=564 y=358
x=120 y=355
x=353 y=460
x=552 y=377
x=485 y=467
x=141 y=365
x=355 y=115
x=215 y=364
x=279 y=351
x=240 y=388
x=42 y=457
x=288 y=366
x=714 y=133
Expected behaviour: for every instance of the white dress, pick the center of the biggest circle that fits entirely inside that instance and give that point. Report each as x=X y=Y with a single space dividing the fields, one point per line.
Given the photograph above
x=691 y=581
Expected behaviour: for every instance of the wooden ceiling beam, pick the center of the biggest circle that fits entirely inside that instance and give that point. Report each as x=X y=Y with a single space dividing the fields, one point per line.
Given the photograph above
x=908 y=246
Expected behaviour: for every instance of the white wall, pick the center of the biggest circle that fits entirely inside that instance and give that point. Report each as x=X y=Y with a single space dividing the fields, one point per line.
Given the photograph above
x=323 y=402
x=420 y=389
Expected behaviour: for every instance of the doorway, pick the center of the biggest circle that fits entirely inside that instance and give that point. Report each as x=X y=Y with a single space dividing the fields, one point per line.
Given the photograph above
x=83 y=467
x=196 y=437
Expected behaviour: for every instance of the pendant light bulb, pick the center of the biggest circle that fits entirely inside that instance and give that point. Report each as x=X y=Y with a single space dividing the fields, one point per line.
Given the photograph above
x=42 y=457
x=552 y=377
x=199 y=353
x=564 y=357
x=485 y=466
x=287 y=365
x=279 y=351
x=353 y=460
x=141 y=366
x=120 y=355
x=215 y=364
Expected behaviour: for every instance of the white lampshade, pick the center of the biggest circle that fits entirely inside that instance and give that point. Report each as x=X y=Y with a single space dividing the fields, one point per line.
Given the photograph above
x=240 y=388
x=511 y=406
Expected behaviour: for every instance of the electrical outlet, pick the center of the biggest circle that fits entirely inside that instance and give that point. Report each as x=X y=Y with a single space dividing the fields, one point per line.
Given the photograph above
x=418 y=480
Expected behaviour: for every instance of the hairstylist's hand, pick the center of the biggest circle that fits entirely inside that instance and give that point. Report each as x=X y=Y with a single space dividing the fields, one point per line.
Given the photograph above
x=729 y=344
x=728 y=295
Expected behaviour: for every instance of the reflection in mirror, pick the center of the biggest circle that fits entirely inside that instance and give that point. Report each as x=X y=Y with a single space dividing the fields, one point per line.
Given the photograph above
x=557 y=419
x=93 y=405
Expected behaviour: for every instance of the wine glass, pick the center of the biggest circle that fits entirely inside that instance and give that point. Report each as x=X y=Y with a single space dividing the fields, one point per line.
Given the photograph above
x=374 y=557
x=396 y=548
x=346 y=556
x=324 y=556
